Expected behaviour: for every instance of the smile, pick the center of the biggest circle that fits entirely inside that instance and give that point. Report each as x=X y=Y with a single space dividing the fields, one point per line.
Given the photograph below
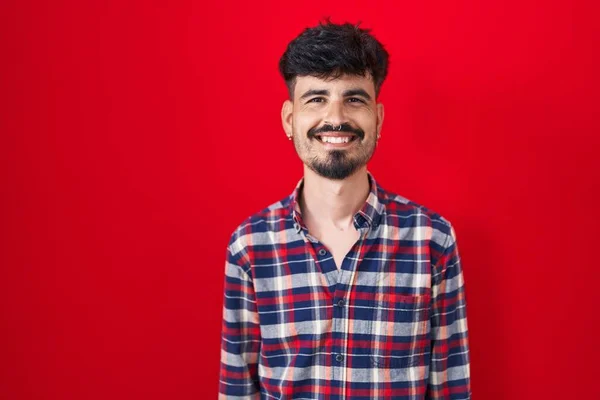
x=335 y=139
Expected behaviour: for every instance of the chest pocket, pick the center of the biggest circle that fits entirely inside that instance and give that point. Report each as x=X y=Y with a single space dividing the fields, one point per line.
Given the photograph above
x=400 y=330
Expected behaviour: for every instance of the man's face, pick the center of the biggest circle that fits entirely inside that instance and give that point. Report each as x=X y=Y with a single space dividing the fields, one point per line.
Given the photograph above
x=334 y=123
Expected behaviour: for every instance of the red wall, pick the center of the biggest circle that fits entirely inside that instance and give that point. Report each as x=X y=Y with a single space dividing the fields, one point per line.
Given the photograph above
x=135 y=136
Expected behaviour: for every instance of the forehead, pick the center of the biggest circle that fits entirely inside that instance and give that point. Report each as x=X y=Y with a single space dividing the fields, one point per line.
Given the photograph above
x=344 y=82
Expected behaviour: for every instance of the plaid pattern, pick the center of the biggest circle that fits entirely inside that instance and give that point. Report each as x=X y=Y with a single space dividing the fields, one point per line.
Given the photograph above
x=390 y=324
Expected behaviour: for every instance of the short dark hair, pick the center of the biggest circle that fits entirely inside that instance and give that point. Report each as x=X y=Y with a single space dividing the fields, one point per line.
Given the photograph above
x=330 y=50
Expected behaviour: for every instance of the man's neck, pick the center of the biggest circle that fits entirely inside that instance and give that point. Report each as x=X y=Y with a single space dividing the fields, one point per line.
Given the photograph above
x=333 y=203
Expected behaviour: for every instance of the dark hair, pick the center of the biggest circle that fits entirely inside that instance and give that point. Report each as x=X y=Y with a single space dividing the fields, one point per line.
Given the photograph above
x=330 y=50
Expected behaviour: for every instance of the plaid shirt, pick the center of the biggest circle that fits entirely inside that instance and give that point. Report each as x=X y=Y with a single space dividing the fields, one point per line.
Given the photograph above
x=389 y=324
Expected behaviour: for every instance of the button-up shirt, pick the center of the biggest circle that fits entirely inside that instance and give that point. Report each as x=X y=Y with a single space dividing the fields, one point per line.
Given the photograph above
x=390 y=323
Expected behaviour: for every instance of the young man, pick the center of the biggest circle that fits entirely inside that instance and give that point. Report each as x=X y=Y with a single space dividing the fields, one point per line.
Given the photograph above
x=342 y=290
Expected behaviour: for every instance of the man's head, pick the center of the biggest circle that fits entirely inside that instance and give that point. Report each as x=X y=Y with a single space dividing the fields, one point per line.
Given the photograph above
x=334 y=74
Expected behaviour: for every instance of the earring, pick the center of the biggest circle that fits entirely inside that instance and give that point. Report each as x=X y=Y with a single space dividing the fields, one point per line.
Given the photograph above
x=290 y=137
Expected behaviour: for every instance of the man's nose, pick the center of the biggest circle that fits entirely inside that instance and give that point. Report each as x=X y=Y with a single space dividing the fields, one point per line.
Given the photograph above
x=335 y=114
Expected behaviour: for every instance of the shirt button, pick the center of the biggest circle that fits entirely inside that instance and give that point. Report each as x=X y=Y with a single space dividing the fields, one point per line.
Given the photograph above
x=340 y=303
x=322 y=252
x=339 y=358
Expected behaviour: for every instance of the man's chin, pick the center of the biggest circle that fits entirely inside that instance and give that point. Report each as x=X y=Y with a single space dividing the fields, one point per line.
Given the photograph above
x=334 y=172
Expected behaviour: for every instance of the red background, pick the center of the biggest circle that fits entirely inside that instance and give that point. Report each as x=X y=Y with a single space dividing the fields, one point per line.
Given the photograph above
x=135 y=136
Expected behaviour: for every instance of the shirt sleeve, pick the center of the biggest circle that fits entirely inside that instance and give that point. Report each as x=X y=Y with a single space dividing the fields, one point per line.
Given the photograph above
x=449 y=374
x=240 y=335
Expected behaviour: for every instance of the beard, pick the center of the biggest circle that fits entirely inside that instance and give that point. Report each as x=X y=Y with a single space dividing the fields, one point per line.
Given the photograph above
x=336 y=164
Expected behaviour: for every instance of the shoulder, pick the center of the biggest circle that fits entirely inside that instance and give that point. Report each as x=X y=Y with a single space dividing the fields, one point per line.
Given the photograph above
x=408 y=214
x=258 y=228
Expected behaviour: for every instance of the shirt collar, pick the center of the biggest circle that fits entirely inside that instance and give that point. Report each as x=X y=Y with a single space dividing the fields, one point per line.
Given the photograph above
x=368 y=216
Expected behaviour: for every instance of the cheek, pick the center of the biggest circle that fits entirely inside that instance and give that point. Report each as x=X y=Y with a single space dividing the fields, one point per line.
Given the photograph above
x=368 y=123
x=302 y=123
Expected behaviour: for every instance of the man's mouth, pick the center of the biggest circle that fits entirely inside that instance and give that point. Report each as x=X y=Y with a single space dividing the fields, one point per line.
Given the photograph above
x=336 y=139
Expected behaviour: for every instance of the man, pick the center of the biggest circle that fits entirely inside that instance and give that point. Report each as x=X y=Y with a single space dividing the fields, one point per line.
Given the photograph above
x=342 y=290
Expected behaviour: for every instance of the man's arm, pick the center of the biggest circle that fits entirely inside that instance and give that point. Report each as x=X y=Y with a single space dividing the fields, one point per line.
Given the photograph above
x=240 y=335
x=449 y=375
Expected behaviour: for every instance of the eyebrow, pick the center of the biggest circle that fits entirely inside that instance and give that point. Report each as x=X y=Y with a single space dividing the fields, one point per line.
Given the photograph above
x=346 y=93
x=314 y=92
x=357 y=92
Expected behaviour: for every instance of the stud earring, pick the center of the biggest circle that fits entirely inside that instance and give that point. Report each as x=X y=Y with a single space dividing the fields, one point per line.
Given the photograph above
x=290 y=137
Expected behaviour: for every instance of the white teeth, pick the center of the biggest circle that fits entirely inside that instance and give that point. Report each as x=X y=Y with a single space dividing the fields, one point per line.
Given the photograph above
x=335 y=139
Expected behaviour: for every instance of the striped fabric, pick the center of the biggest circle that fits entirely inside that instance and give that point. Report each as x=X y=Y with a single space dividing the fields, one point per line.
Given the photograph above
x=390 y=324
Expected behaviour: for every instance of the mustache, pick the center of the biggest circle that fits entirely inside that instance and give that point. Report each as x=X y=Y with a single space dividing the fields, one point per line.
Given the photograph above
x=345 y=127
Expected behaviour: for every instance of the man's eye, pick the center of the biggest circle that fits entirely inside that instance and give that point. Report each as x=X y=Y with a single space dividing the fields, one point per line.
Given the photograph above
x=315 y=100
x=355 y=100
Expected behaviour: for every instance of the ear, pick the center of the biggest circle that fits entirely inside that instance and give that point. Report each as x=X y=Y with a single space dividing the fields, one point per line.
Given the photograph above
x=380 y=115
x=286 y=117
